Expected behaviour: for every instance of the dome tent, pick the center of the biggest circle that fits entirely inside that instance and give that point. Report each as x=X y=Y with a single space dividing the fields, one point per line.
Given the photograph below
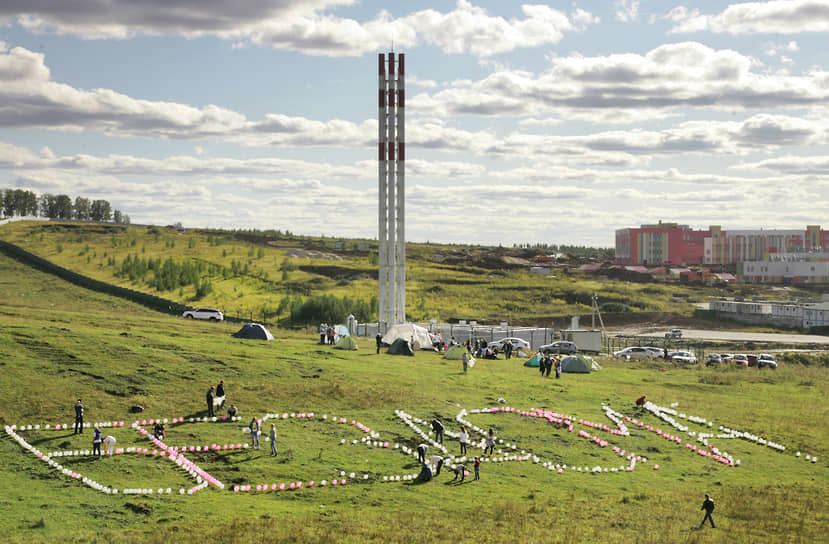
x=254 y=331
x=346 y=342
x=401 y=347
x=455 y=353
x=408 y=332
x=578 y=363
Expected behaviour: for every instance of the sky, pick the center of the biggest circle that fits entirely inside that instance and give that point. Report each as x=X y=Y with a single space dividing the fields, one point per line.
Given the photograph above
x=554 y=122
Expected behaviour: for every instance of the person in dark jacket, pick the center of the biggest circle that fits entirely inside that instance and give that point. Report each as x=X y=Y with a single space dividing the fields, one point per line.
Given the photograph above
x=437 y=426
x=708 y=506
x=210 y=402
x=379 y=340
x=78 y=418
x=97 y=438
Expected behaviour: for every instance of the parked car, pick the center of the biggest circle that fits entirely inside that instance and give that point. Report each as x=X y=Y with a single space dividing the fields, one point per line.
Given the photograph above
x=765 y=360
x=635 y=353
x=562 y=346
x=517 y=343
x=208 y=314
x=683 y=357
x=713 y=359
x=740 y=359
x=674 y=333
x=657 y=353
x=725 y=357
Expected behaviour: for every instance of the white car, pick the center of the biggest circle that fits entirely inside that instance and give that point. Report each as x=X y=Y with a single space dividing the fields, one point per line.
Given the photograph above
x=683 y=357
x=635 y=353
x=674 y=333
x=208 y=314
x=517 y=343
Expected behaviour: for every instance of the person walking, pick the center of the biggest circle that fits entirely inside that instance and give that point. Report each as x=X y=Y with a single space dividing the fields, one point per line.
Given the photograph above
x=708 y=506
x=254 y=429
x=379 y=340
x=465 y=359
x=477 y=468
x=272 y=438
x=78 y=418
x=463 y=438
x=437 y=426
x=210 y=402
x=96 y=442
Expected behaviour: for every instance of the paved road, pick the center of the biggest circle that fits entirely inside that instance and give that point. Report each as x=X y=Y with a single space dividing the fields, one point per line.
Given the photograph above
x=735 y=336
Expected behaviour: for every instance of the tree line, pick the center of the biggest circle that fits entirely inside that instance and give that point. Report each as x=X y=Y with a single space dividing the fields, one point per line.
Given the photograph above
x=19 y=202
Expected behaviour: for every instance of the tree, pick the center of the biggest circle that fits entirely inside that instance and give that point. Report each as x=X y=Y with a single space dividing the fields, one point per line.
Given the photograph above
x=48 y=205
x=100 y=210
x=63 y=206
x=116 y=216
x=82 y=209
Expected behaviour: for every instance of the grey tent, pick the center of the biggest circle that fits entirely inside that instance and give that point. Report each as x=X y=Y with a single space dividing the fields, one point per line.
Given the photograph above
x=455 y=353
x=401 y=347
x=576 y=363
x=254 y=331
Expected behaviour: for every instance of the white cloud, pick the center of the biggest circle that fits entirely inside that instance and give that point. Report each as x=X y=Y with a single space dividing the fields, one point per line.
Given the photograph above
x=774 y=17
x=666 y=78
x=300 y=26
x=627 y=11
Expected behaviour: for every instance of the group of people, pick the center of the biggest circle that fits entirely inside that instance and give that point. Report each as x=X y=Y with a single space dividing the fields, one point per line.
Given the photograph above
x=436 y=461
x=327 y=334
x=433 y=467
x=255 y=429
x=215 y=398
x=97 y=436
x=546 y=363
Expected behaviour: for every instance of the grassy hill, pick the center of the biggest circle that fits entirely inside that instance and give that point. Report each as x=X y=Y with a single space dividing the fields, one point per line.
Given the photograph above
x=260 y=276
x=59 y=342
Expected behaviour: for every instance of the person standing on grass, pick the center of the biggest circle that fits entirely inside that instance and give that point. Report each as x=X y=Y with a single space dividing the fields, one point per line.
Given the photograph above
x=465 y=359
x=78 y=418
x=558 y=369
x=96 y=442
x=220 y=393
x=708 y=506
x=254 y=433
x=272 y=438
x=463 y=438
x=379 y=340
x=210 y=402
x=490 y=442
x=437 y=426
x=477 y=468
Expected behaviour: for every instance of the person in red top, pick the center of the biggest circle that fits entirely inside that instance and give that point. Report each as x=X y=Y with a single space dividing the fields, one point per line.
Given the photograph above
x=477 y=468
x=640 y=402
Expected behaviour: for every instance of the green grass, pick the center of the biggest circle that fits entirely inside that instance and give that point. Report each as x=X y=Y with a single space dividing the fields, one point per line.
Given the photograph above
x=259 y=278
x=59 y=342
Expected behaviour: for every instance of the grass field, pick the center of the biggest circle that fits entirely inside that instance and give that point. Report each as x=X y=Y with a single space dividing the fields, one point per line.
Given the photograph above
x=59 y=342
x=254 y=278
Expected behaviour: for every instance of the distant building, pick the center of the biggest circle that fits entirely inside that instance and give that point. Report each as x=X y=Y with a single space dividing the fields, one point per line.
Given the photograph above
x=674 y=244
x=660 y=244
x=777 y=313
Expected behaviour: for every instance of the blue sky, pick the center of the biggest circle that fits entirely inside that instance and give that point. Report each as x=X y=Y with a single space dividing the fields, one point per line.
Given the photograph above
x=546 y=122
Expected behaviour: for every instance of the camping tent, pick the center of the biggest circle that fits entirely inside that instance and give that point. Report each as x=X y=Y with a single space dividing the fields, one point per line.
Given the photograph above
x=346 y=342
x=534 y=361
x=407 y=331
x=577 y=363
x=254 y=331
x=400 y=347
x=455 y=353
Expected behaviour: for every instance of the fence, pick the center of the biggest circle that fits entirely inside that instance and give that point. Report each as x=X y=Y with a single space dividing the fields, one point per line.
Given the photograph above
x=536 y=336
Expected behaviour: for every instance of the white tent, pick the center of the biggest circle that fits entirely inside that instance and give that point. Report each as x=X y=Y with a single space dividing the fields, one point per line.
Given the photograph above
x=407 y=331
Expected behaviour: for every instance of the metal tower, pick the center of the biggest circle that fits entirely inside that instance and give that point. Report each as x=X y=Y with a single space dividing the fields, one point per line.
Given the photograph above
x=392 y=191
